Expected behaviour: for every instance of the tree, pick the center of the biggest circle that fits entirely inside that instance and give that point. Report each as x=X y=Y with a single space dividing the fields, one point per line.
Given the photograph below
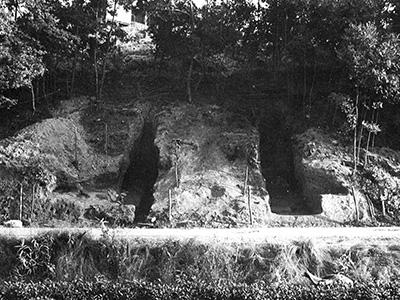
x=20 y=59
x=372 y=57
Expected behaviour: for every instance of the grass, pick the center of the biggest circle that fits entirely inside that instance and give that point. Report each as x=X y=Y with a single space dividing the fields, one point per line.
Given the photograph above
x=69 y=256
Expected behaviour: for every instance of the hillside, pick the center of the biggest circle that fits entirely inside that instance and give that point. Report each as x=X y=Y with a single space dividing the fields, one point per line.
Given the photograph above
x=145 y=157
x=183 y=149
x=186 y=165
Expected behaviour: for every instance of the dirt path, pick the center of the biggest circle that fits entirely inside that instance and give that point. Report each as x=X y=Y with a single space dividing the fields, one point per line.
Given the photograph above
x=324 y=236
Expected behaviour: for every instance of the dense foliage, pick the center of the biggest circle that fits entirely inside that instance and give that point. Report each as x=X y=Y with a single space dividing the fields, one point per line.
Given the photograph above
x=62 y=38
x=294 y=41
x=188 y=289
x=21 y=60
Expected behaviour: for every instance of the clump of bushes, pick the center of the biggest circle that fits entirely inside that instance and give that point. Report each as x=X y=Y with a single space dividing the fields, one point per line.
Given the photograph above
x=187 y=289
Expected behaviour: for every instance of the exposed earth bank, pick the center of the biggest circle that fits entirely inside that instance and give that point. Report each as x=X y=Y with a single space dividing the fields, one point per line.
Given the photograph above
x=181 y=165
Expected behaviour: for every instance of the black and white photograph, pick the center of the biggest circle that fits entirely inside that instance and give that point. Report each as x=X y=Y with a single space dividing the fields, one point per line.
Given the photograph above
x=199 y=149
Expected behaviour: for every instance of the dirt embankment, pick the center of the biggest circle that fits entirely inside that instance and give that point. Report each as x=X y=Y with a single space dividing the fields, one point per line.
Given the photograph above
x=324 y=168
x=209 y=169
x=185 y=165
x=57 y=174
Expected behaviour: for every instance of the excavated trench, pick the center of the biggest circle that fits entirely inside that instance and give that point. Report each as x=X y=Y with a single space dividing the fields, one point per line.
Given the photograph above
x=277 y=163
x=141 y=174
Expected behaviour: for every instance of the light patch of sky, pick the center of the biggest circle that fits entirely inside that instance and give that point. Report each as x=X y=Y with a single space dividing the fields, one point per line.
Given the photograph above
x=200 y=3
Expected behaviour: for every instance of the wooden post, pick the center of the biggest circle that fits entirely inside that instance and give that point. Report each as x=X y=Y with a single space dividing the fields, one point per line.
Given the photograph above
x=33 y=199
x=33 y=98
x=355 y=204
x=20 y=200
x=382 y=196
x=106 y=139
x=176 y=174
x=371 y=208
x=76 y=147
x=246 y=180
x=383 y=208
x=249 y=204
x=170 y=206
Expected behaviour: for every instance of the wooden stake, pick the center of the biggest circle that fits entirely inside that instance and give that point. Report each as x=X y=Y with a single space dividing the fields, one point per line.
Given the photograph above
x=249 y=204
x=370 y=208
x=20 y=200
x=106 y=139
x=170 y=206
x=383 y=208
x=33 y=98
x=356 y=204
x=33 y=199
x=246 y=179
x=76 y=147
x=176 y=174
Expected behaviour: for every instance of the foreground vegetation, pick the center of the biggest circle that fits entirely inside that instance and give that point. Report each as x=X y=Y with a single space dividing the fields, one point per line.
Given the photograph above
x=66 y=257
x=186 y=290
x=75 y=266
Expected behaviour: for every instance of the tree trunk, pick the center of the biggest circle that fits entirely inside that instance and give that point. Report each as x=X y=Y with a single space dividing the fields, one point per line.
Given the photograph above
x=96 y=72
x=33 y=199
x=312 y=86
x=373 y=137
x=334 y=115
x=44 y=88
x=356 y=205
x=355 y=135
x=37 y=87
x=361 y=137
x=189 y=76
x=249 y=205
x=304 y=82
x=21 y=197
x=16 y=10
x=71 y=91
x=108 y=41
x=95 y=62
x=33 y=98
x=369 y=137
x=246 y=179
x=189 y=82
x=103 y=76
x=367 y=148
x=169 y=205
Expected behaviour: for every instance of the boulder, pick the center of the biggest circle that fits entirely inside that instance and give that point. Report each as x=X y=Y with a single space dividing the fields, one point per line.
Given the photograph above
x=13 y=224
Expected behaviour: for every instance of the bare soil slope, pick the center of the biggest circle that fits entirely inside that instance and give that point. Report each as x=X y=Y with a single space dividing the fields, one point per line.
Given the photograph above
x=208 y=159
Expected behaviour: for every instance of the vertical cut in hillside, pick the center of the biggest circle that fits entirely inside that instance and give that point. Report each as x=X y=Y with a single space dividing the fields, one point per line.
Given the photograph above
x=277 y=165
x=142 y=173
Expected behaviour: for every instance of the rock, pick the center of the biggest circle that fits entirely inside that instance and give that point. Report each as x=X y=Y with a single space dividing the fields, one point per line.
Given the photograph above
x=204 y=152
x=112 y=214
x=330 y=280
x=13 y=224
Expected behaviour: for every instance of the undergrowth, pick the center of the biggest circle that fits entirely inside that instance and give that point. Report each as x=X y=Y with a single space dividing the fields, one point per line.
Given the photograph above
x=67 y=257
x=187 y=289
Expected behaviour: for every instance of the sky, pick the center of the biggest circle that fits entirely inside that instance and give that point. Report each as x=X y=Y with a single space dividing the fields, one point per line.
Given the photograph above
x=202 y=2
x=125 y=16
